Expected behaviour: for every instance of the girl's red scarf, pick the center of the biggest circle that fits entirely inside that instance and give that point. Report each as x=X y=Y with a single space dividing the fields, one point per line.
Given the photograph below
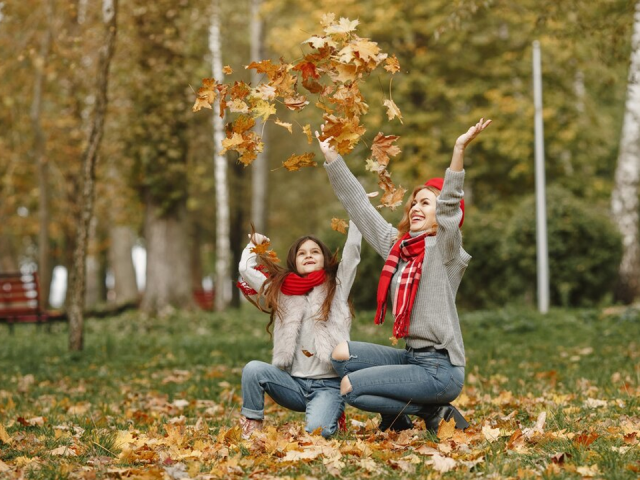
x=296 y=285
x=411 y=250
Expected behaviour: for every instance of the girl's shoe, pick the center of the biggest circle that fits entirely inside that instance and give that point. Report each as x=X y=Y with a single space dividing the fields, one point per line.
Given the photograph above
x=249 y=425
x=395 y=423
x=434 y=414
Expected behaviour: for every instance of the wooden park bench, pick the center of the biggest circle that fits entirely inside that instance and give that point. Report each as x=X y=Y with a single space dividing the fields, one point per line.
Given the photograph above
x=20 y=301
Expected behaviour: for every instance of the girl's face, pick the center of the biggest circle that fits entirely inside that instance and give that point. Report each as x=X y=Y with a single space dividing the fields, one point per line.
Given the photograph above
x=309 y=258
x=422 y=214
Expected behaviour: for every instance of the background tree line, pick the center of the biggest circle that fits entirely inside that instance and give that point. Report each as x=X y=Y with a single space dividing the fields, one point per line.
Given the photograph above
x=155 y=176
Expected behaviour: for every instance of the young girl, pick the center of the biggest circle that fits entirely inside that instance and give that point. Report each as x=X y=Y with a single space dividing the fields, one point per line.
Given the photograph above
x=311 y=314
x=424 y=265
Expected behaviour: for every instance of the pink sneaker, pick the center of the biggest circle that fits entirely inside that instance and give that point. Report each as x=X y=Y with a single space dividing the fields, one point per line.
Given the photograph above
x=249 y=426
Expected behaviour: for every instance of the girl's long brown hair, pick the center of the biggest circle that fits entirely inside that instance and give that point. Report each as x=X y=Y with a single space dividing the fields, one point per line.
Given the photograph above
x=405 y=223
x=270 y=290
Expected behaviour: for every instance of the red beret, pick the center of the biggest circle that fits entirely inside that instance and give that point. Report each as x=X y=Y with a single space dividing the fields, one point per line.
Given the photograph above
x=437 y=182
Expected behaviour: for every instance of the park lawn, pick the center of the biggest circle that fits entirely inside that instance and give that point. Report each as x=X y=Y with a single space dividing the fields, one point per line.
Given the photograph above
x=552 y=396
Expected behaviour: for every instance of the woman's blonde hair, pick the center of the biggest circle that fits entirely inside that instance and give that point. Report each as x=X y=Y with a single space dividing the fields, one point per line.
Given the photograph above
x=405 y=224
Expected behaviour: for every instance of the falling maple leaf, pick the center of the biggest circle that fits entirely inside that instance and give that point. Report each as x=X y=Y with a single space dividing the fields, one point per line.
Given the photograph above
x=392 y=110
x=296 y=103
x=264 y=109
x=392 y=64
x=296 y=162
x=227 y=70
x=307 y=130
x=343 y=26
x=339 y=225
x=382 y=148
x=307 y=353
x=285 y=125
x=394 y=341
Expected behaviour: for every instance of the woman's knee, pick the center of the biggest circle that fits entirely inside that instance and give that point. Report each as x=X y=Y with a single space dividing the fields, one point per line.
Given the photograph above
x=345 y=386
x=341 y=351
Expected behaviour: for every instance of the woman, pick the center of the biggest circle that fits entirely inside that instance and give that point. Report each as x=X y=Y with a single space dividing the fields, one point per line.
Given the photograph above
x=424 y=265
x=311 y=314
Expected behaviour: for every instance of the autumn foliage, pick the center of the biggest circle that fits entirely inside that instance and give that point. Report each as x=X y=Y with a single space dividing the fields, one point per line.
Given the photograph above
x=329 y=78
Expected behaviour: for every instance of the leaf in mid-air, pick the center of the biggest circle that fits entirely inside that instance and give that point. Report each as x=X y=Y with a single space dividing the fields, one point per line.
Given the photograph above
x=296 y=162
x=383 y=148
x=392 y=110
x=339 y=225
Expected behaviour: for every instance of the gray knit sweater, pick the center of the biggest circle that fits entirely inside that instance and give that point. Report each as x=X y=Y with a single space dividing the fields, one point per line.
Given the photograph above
x=434 y=318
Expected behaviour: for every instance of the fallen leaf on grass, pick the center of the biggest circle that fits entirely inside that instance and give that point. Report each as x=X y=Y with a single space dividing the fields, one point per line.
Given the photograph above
x=4 y=435
x=63 y=451
x=491 y=434
x=442 y=464
x=447 y=429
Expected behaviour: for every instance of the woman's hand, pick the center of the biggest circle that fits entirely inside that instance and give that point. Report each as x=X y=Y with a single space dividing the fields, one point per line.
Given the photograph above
x=258 y=239
x=466 y=138
x=329 y=152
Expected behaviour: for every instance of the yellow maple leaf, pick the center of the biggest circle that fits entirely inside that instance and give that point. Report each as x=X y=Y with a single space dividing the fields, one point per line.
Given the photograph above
x=339 y=225
x=4 y=435
x=264 y=109
x=446 y=429
x=227 y=70
x=392 y=65
x=296 y=103
x=392 y=110
x=366 y=49
x=230 y=142
x=307 y=130
x=238 y=106
x=343 y=26
x=394 y=341
x=284 y=124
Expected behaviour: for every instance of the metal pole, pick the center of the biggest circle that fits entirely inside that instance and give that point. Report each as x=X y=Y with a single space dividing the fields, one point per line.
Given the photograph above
x=541 y=205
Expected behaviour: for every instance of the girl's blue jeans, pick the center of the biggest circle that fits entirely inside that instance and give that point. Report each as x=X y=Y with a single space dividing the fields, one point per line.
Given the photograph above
x=320 y=399
x=392 y=381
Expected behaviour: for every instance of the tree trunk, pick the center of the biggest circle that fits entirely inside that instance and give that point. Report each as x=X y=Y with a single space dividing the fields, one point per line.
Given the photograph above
x=168 y=260
x=93 y=289
x=39 y=145
x=124 y=273
x=260 y=166
x=89 y=160
x=223 y=250
x=624 y=198
x=8 y=255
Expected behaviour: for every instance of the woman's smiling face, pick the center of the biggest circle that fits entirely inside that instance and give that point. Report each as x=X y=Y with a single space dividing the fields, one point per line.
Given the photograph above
x=309 y=258
x=422 y=214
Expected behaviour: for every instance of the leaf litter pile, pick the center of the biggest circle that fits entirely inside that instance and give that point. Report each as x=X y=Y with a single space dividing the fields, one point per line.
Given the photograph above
x=150 y=401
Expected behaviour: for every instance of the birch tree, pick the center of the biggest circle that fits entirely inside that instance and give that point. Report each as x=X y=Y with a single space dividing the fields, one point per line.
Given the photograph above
x=260 y=166
x=223 y=248
x=89 y=160
x=624 y=198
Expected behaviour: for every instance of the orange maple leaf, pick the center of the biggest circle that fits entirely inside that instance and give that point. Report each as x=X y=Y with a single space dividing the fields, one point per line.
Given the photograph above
x=307 y=68
x=339 y=225
x=296 y=103
x=296 y=162
x=227 y=70
x=383 y=148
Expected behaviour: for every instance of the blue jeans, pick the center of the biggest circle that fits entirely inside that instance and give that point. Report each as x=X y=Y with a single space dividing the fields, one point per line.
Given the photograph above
x=390 y=380
x=320 y=399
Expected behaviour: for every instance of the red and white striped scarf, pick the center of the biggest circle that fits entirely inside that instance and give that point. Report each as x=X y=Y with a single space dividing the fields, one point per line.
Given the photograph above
x=411 y=250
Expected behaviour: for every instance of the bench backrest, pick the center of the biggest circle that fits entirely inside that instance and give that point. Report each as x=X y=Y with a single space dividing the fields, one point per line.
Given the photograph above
x=19 y=294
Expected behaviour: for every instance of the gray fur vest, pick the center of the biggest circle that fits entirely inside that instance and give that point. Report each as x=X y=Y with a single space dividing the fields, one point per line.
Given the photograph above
x=327 y=334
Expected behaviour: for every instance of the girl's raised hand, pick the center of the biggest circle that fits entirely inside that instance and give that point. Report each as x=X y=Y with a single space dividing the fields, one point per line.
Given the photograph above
x=466 y=138
x=258 y=239
x=329 y=152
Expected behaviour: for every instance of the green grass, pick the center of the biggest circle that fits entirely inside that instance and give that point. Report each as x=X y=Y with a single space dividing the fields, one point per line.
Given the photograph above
x=155 y=378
